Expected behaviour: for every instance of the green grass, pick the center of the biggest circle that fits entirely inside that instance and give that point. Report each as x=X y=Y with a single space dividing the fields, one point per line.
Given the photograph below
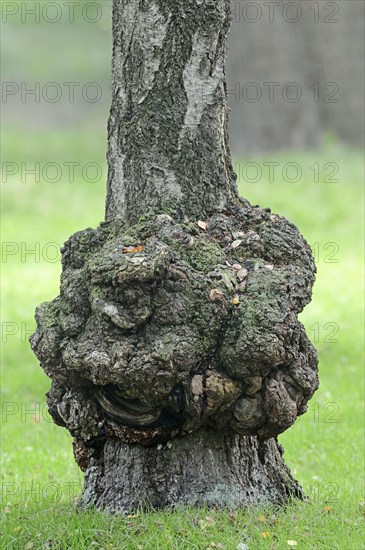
x=324 y=449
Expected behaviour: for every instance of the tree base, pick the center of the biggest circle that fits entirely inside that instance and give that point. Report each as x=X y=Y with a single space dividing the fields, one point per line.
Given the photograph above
x=202 y=468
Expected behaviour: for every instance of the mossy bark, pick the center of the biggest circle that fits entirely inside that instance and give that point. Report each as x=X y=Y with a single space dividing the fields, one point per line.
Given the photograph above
x=168 y=126
x=174 y=348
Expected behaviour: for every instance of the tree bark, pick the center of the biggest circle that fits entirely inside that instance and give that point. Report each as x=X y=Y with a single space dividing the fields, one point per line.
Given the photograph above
x=168 y=126
x=202 y=468
x=174 y=348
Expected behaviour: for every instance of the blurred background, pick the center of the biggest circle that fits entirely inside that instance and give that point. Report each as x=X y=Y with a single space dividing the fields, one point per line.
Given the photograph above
x=296 y=92
x=296 y=74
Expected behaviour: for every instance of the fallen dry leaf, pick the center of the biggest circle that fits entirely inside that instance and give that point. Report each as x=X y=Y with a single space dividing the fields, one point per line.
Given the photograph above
x=203 y=524
x=132 y=249
x=236 y=244
x=242 y=274
x=202 y=225
x=210 y=520
x=215 y=294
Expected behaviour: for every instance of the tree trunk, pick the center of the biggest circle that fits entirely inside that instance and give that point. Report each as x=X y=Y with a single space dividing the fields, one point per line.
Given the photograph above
x=203 y=468
x=174 y=348
x=168 y=138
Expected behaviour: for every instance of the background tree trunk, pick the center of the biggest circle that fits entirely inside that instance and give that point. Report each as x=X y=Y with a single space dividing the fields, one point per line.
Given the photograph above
x=168 y=138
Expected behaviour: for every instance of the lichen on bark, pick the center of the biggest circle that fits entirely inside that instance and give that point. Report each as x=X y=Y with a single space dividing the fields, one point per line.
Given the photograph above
x=174 y=347
x=165 y=327
x=168 y=132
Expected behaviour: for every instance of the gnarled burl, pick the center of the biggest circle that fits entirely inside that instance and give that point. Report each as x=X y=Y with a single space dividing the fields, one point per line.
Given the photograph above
x=174 y=348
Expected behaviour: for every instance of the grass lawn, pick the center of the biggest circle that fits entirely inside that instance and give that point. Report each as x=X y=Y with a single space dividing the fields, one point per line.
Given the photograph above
x=40 y=480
